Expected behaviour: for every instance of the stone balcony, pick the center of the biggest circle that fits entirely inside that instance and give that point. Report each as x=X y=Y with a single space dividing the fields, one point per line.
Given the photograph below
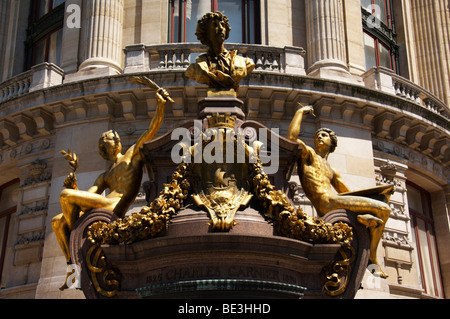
x=142 y=58
x=40 y=76
x=385 y=80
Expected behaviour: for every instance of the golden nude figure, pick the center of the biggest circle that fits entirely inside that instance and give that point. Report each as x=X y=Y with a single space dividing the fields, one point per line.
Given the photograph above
x=317 y=178
x=123 y=178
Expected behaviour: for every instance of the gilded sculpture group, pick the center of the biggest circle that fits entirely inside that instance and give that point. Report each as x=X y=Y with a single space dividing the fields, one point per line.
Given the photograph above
x=220 y=69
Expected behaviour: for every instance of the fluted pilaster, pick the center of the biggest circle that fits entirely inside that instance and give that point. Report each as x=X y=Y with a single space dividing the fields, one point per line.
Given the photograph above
x=103 y=34
x=325 y=35
x=432 y=44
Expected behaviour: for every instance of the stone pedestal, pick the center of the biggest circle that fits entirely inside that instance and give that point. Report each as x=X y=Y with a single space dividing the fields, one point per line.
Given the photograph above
x=211 y=105
x=190 y=261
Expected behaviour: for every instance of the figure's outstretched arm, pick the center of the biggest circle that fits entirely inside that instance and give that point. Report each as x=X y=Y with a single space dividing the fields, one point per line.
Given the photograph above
x=162 y=97
x=294 y=127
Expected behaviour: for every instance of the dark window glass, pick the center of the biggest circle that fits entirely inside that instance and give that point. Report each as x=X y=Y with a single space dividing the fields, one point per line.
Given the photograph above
x=379 y=34
x=242 y=14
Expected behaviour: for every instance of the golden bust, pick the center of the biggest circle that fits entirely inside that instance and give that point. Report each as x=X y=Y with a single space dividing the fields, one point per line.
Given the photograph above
x=218 y=68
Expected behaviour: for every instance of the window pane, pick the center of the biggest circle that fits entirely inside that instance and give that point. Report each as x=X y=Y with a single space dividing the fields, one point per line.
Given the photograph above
x=435 y=260
x=57 y=2
x=369 y=48
x=250 y=24
x=54 y=54
x=385 y=56
x=42 y=9
x=9 y=197
x=39 y=52
x=414 y=198
x=195 y=9
x=2 y=231
x=426 y=258
x=380 y=10
x=366 y=4
x=233 y=10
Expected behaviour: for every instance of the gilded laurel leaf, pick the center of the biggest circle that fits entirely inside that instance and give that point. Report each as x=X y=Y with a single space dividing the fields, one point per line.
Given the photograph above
x=71 y=180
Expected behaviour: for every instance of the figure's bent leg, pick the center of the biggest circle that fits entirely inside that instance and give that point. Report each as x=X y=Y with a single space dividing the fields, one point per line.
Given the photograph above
x=73 y=202
x=61 y=230
x=371 y=213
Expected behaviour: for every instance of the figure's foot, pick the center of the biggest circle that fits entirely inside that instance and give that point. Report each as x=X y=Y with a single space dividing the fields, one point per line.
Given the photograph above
x=377 y=271
x=63 y=287
x=369 y=220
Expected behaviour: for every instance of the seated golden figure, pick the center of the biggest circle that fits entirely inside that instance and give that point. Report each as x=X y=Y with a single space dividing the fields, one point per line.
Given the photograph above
x=317 y=178
x=123 y=178
x=218 y=68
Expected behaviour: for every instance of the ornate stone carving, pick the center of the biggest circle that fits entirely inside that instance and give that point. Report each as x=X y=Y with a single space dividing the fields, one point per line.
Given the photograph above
x=37 y=173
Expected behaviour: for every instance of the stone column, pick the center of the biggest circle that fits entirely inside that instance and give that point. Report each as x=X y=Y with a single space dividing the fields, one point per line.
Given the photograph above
x=326 y=47
x=430 y=42
x=103 y=29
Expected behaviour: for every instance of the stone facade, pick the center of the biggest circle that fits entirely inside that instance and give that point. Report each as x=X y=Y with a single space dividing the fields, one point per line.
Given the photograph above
x=392 y=127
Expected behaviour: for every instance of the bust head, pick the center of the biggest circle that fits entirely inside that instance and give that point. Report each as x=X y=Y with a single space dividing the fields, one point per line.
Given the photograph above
x=207 y=22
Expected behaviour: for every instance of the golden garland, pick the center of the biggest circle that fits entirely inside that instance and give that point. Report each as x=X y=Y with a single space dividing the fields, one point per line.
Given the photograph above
x=152 y=220
x=291 y=222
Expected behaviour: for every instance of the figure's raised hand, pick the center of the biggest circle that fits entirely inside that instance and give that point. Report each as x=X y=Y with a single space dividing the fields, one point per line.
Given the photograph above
x=307 y=109
x=162 y=95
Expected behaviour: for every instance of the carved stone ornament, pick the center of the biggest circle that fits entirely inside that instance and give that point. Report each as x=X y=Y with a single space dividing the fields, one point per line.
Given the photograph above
x=388 y=171
x=222 y=187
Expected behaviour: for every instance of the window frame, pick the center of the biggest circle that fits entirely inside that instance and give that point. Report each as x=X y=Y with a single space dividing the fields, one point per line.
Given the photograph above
x=5 y=232
x=378 y=43
x=428 y=221
x=384 y=34
x=246 y=20
x=41 y=29
x=47 y=39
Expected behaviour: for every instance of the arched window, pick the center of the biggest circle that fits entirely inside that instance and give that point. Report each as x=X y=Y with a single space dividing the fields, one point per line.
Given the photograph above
x=44 y=34
x=244 y=16
x=379 y=34
x=424 y=236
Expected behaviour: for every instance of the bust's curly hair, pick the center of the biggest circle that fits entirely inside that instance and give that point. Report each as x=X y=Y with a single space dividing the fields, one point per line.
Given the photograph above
x=202 y=24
